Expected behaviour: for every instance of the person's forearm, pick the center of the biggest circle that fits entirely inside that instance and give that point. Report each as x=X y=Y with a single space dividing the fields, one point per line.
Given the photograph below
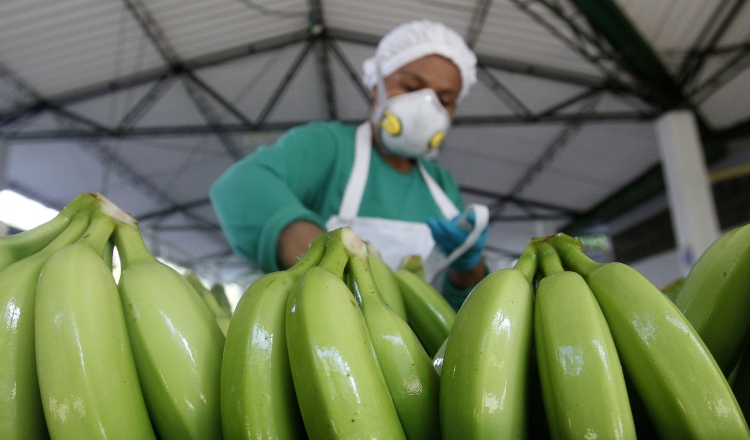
x=294 y=241
x=469 y=278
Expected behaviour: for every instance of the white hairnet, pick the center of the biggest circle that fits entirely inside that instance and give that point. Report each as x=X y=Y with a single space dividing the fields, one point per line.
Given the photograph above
x=416 y=39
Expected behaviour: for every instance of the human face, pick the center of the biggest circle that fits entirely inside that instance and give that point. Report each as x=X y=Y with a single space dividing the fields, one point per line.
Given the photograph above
x=432 y=71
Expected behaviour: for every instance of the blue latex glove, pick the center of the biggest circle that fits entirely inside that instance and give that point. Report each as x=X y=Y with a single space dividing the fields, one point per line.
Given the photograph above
x=448 y=236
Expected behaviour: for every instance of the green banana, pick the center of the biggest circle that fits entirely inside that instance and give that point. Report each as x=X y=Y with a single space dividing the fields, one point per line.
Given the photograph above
x=672 y=289
x=218 y=291
x=428 y=313
x=682 y=387
x=20 y=402
x=741 y=383
x=340 y=389
x=87 y=376
x=177 y=344
x=437 y=360
x=222 y=316
x=408 y=371
x=715 y=297
x=23 y=244
x=583 y=385
x=257 y=396
x=486 y=362
x=414 y=264
x=386 y=282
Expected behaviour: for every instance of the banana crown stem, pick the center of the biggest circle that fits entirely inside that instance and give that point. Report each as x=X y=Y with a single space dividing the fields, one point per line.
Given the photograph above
x=572 y=256
x=310 y=258
x=82 y=203
x=336 y=254
x=130 y=245
x=113 y=211
x=527 y=263
x=98 y=232
x=548 y=259
x=76 y=228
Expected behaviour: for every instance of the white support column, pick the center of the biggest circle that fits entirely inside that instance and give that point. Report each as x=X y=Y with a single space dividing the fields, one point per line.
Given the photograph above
x=691 y=202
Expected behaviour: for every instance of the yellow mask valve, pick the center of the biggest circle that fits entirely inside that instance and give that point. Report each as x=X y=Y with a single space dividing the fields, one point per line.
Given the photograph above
x=390 y=123
x=437 y=139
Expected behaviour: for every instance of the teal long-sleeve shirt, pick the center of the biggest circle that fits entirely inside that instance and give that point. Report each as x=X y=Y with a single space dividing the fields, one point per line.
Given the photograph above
x=302 y=177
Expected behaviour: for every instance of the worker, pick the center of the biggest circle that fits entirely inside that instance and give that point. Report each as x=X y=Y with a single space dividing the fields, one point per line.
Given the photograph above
x=376 y=177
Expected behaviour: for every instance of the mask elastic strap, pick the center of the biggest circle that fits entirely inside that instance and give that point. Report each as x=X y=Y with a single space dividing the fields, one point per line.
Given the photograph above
x=382 y=95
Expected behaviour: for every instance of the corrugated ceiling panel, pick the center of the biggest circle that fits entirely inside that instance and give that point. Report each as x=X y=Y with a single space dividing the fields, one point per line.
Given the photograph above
x=738 y=32
x=535 y=93
x=250 y=82
x=670 y=26
x=110 y=109
x=198 y=28
x=730 y=104
x=350 y=102
x=493 y=158
x=377 y=17
x=183 y=167
x=59 y=46
x=304 y=98
x=60 y=170
x=174 y=108
x=510 y=33
x=596 y=161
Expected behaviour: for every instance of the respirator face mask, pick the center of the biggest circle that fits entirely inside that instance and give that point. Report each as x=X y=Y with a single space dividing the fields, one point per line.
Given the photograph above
x=412 y=124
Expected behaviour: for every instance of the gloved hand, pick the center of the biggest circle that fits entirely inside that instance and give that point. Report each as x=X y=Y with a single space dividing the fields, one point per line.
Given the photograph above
x=448 y=236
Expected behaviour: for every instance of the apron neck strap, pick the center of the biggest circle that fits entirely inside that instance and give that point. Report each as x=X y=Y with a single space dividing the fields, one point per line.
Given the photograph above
x=446 y=205
x=355 y=187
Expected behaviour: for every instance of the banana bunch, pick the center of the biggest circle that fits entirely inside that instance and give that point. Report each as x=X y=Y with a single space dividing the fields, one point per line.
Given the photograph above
x=341 y=346
x=595 y=349
x=84 y=357
x=324 y=350
x=219 y=307
x=715 y=297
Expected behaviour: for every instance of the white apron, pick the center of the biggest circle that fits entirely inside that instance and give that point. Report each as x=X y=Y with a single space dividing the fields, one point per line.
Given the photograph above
x=395 y=239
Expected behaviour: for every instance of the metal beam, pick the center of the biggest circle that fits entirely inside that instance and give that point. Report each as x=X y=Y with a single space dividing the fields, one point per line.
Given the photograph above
x=476 y=24
x=196 y=89
x=634 y=53
x=153 y=31
x=517 y=201
x=580 y=46
x=557 y=144
x=213 y=120
x=349 y=69
x=174 y=209
x=192 y=130
x=318 y=31
x=503 y=94
x=273 y=100
x=708 y=39
x=145 y=103
x=737 y=131
x=736 y=65
x=228 y=106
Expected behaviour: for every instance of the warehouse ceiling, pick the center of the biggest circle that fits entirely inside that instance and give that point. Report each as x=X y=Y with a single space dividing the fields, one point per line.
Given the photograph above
x=148 y=102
